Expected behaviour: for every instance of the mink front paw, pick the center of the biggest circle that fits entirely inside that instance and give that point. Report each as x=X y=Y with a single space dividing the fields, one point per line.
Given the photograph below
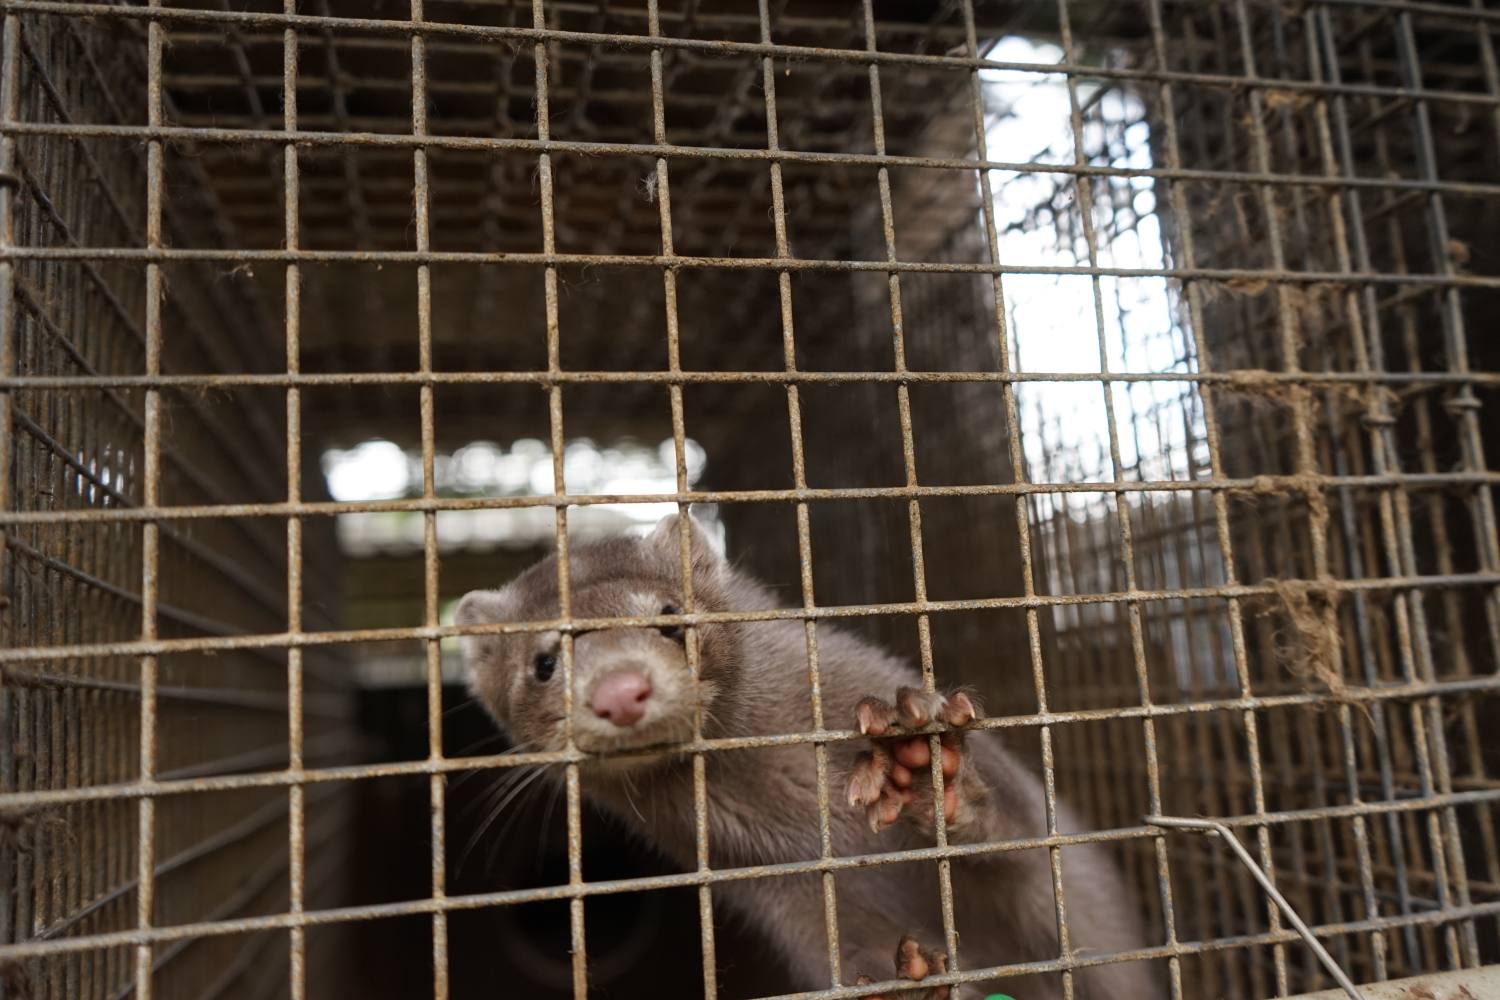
x=916 y=963
x=895 y=773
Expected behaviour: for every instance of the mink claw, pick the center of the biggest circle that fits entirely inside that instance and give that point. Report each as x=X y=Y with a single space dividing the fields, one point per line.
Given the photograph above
x=886 y=810
x=914 y=963
x=917 y=963
x=874 y=716
x=868 y=779
x=960 y=708
x=911 y=958
x=916 y=708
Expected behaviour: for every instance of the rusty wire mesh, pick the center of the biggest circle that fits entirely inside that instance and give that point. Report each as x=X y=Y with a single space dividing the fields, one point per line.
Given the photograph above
x=1226 y=547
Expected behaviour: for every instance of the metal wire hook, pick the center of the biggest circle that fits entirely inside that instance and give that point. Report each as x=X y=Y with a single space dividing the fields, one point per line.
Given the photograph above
x=1225 y=834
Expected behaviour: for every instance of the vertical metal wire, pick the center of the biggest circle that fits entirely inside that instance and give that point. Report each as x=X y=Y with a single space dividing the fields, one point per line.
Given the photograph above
x=913 y=506
x=1212 y=440
x=572 y=783
x=1317 y=740
x=1368 y=355
x=1398 y=551
x=10 y=82
x=432 y=647
x=1464 y=406
x=150 y=531
x=1301 y=418
x=799 y=479
x=1413 y=643
x=1472 y=730
x=1198 y=669
x=1018 y=475
x=663 y=194
x=296 y=794
x=1126 y=548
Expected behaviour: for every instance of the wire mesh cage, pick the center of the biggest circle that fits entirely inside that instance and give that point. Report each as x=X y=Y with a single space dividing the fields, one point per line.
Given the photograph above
x=1124 y=362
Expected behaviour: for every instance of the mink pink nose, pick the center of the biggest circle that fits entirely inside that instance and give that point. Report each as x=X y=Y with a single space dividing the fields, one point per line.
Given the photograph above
x=621 y=697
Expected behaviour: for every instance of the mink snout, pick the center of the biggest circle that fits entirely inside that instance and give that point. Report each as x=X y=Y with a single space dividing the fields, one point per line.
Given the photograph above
x=621 y=697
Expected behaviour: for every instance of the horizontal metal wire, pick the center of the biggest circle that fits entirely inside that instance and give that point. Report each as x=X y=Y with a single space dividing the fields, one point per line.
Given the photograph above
x=490 y=145
x=314 y=704
x=418 y=27
x=572 y=625
x=313 y=918
x=1392 y=694
x=1243 y=380
x=1263 y=485
x=778 y=264
x=729 y=19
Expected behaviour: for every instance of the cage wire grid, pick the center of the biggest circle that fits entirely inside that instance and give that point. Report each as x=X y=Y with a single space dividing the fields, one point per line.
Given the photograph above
x=1161 y=568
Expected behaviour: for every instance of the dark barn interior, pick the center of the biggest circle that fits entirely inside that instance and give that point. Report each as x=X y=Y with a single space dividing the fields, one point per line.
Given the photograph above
x=1125 y=361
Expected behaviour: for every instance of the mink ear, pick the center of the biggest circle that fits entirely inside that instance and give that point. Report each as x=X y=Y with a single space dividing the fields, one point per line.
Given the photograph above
x=666 y=538
x=482 y=607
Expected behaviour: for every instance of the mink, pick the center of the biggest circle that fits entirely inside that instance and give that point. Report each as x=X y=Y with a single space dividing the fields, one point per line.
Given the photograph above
x=636 y=700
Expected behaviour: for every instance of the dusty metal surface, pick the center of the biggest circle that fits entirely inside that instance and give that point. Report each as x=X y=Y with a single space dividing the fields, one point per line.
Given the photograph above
x=1251 y=575
x=1470 y=984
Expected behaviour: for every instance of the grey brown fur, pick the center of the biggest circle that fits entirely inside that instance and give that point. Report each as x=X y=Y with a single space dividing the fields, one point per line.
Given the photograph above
x=763 y=802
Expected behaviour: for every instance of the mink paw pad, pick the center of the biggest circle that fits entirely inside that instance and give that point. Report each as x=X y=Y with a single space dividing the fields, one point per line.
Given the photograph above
x=915 y=963
x=894 y=773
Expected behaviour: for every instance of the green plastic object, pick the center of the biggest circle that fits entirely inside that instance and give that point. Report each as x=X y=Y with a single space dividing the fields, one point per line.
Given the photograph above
x=999 y=996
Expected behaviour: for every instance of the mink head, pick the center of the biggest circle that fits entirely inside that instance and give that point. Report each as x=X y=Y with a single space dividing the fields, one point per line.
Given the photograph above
x=632 y=685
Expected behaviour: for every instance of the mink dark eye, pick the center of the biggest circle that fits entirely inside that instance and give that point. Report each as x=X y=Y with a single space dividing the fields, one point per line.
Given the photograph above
x=544 y=665
x=671 y=631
